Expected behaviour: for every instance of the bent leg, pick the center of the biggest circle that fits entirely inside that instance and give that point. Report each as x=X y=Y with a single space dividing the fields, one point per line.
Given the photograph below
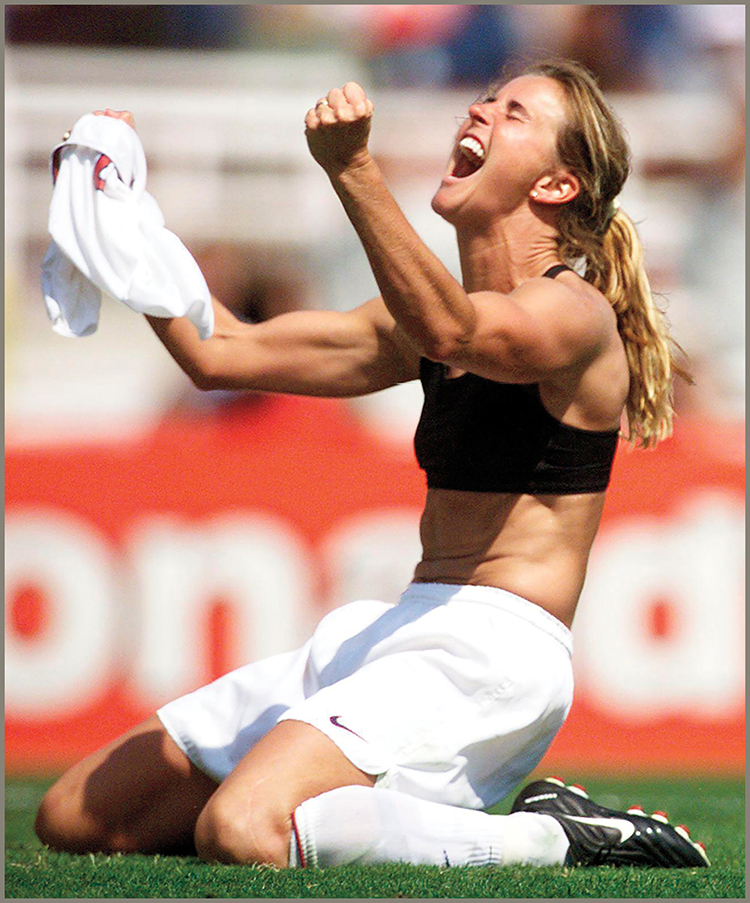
x=138 y=794
x=249 y=818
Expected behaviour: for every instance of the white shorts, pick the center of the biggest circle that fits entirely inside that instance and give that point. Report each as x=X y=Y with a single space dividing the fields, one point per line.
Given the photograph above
x=451 y=695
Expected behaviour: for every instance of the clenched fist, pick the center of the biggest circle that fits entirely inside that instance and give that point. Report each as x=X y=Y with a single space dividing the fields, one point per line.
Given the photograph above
x=338 y=126
x=125 y=115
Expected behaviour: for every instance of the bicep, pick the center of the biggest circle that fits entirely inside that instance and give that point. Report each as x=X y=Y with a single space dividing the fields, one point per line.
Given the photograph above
x=324 y=353
x=531 y=335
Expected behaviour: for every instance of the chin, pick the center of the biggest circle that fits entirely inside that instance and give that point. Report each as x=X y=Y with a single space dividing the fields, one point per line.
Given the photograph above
x=456 y=212
x=440 y=206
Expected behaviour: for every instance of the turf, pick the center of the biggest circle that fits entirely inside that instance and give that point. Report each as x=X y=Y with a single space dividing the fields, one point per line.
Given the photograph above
x=713 y=808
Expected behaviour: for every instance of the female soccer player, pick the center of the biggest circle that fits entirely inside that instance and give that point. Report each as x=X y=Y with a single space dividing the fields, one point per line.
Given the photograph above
x=384 y=737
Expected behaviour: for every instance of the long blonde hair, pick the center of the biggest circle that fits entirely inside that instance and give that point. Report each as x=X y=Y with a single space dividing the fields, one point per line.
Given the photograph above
x=593 y=145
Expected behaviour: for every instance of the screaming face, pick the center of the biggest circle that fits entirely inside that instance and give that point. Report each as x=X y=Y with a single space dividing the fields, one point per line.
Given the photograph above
x=469 y=157
x=504 y=148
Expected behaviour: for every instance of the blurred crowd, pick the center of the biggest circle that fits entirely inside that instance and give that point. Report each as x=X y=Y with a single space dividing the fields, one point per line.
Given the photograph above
x=632 y=49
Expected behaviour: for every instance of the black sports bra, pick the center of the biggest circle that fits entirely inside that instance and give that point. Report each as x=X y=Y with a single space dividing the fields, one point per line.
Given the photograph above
x=479 y=435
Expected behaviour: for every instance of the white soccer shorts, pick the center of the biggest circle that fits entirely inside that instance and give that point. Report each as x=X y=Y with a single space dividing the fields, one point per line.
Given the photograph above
x=452 y=695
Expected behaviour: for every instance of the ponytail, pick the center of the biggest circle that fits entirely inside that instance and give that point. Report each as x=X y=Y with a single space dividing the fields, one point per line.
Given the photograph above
x=592 y=144
x=618 y=271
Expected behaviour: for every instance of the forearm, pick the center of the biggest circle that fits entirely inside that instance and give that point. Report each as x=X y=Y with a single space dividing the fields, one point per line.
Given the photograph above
x=317 y=353
x=427 y=302
x=198 y=358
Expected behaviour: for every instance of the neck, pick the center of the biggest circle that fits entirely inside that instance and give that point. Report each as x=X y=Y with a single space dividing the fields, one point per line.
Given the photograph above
x=500 y=259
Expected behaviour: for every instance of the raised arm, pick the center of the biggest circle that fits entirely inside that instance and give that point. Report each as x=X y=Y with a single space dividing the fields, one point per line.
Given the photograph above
x=323 y=353
x=529 y=335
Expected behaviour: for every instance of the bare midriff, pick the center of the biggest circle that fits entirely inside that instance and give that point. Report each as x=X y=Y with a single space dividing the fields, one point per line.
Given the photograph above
x=536 y=546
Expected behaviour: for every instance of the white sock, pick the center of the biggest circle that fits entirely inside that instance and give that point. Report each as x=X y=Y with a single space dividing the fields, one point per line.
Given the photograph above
x=366 y=826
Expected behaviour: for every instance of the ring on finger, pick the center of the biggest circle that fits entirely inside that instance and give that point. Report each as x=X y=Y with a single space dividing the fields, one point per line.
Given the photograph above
x=322 y=103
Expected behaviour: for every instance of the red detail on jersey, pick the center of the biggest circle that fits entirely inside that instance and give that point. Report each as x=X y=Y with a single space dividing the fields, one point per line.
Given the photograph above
x=101 y=163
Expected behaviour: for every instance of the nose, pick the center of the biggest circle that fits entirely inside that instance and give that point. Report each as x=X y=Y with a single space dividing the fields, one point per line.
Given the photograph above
x=477 y=113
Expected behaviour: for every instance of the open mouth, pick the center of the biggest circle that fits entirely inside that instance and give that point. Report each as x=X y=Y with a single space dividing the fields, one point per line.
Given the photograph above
x=470 y=157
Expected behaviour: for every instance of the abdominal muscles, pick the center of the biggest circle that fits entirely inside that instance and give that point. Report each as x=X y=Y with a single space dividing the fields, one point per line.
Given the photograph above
x=534 y=546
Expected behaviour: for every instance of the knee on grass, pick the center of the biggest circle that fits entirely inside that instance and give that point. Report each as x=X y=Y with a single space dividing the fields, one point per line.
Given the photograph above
x=62 y=826
x=240 y=834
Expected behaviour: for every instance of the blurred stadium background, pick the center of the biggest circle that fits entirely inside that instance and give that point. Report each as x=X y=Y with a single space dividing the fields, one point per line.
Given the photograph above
x=157 y=536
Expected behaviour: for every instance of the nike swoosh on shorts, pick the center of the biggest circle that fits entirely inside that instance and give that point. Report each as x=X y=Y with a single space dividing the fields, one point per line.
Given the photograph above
x=334 y=719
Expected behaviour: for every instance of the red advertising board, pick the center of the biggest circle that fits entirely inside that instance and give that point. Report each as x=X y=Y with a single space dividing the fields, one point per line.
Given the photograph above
x=138 y=571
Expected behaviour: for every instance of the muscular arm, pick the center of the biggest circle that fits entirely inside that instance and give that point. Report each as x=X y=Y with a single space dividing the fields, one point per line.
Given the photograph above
x=323 y=353
x=538 y=331
x=541 y=329
x=425 y=299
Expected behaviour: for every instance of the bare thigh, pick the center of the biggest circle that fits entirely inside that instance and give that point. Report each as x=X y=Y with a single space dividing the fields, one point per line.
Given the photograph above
x=138 y=794
x=249 y=818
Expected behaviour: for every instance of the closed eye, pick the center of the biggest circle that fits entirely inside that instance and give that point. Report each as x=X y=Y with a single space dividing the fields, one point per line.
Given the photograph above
x=515 y=106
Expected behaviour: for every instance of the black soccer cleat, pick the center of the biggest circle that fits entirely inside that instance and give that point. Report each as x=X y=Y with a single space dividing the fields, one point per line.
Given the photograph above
x=600 y=836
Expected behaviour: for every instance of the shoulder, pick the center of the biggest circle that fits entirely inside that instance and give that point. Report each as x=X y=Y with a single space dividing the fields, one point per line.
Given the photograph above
x=571 y=306
x=568 y=289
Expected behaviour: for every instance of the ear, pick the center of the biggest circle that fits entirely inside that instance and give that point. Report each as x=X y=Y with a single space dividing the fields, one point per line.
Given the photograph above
x=557 y=188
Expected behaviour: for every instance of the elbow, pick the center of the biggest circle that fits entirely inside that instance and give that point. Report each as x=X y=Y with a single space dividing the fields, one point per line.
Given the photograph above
x=202 y=382
x=205 y=377
x=447 y=339
x=445 y=347
x=207 y=382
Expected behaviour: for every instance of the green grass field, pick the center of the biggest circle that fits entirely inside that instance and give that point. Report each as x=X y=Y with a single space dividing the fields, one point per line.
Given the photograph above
x=713 y=808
